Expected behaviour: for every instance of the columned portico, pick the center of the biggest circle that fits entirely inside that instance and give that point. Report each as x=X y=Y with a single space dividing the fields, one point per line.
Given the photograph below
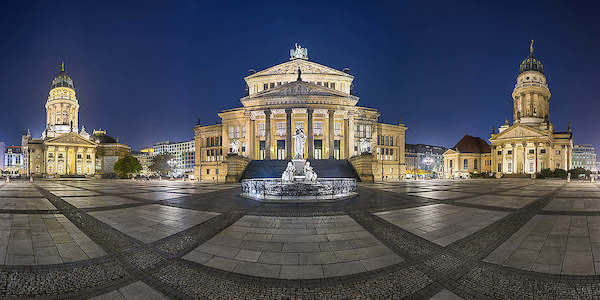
x=268 y=134
x=288 y=133
x=311 y=145
x=331 y=121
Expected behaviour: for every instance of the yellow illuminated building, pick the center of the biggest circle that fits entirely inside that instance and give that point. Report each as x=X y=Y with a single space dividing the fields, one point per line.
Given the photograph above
x=63 y=149
x=302 y=94
x=530 y=144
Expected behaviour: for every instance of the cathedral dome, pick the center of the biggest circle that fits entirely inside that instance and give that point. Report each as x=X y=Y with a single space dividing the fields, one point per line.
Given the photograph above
x=531 y=63
x=101 y=137
x=62 y=79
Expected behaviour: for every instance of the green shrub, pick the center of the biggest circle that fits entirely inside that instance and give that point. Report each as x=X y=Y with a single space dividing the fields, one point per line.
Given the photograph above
x=545 y=173
x=560 y=173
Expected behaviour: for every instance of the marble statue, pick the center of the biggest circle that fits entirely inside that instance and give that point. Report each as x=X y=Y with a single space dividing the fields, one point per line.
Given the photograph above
x=288 y=174
x=365 y=146
x=235 y=146
x=309 y=173
x=299 y=140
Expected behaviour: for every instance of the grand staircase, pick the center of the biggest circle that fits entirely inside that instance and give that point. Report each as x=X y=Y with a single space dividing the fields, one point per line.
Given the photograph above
x=325 y=168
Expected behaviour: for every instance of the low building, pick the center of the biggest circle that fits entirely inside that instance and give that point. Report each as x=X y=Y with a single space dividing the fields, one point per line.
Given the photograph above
x=144 y=156
x=584 y=156
x=13 y=161
x=424 y=161
x=470 y=155
x=183 y=155
x=2 y=154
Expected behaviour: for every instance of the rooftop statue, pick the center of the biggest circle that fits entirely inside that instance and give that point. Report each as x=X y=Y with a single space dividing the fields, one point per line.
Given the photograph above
x=299 y=52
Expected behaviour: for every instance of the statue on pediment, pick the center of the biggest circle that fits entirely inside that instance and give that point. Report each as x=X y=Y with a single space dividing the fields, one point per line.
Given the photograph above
x=299 y=52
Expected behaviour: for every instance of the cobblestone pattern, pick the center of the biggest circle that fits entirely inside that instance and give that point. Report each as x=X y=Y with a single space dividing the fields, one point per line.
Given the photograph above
x=427 y=270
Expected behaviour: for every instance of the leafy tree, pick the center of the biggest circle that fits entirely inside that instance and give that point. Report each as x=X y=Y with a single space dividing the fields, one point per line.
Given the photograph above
x=575 y=173
x=560 y=173
x=545 y=173
x=127 y=165
x=160 y=164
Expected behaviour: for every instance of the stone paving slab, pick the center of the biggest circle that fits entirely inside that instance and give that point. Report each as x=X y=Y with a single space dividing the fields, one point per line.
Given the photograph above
x=156 y=196
x=568 y=245
x=43 y=239
x=442 y=195
x=97 y=201
x=135 y=291
x=294 y=248
x=152 y=222
x=574 y=204
x=25 y=204
x=442 y=224
x=77 y=193
x=445 y=295
x=499 y=201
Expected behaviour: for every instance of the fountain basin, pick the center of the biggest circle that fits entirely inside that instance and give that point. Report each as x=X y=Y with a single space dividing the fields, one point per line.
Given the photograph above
x=276 y=190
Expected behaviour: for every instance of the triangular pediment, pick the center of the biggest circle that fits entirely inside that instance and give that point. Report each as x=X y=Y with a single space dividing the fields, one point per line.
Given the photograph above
x=291 y=67
x=70 y=138
x=520 y=131
x=449 y=151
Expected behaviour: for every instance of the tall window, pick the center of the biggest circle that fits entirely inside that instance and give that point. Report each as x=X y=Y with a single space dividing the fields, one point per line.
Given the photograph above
x=318 y=128
x=387 y=140
x=368 y=131
x=230 y=132
x=466 y=164
x=261 y=129
x=391 y=141
x=336 y=149
x=243 y=131
x=332 y=85
x=299 y=124
x=475 y=164
x=280 y=149
x=338 y=129
x=280 y=129
x=265 y=86
x=451 y=164
x=318 y=149
x=361 y=131
x=237 y=131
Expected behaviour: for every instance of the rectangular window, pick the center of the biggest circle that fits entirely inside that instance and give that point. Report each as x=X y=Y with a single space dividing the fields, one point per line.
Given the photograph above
x=509 y=152
x=332 y=85
x=272 y=85
x=368 y=131
x=466 y=164
x=280 y=149
x=261 y=129
x=230 y=132
x=336 y=149
x=499 y=152
x=265 y=86
x=280 y=129
x=326 y=84
x=262 y=149
x=531 y=151
x=557 y=152
x=212 y=141
x=531 y=167
x=391 y=141
x=450 y=164
x=499 y=167
x=475 y=164
x=207 y=171
x=299 y=124
x=237 y=131
x=361 y=131
x=243 y=131
x=338 y=129
x=387 y=140
x=318 y=128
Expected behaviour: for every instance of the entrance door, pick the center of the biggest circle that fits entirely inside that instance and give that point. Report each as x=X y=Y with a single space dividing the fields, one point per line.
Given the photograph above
x=261 y=150
x=318 y=149
x=281 y=149
x=336 y=149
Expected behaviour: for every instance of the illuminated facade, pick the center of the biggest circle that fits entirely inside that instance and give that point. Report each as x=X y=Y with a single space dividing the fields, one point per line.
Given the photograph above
x=299 y=94
x=63 y=149
x=530 y=144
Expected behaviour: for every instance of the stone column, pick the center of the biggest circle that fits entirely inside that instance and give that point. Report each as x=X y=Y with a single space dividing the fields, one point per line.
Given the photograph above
x=331 y=132
x=524 y=158
x=514 y=154
x=311 y=142
x=288 y=132
x=252 y=144
x=350 y=134
x=537 y=161
x=268 y=134
x=247 y=137
x=346 y=140
x=566 y=166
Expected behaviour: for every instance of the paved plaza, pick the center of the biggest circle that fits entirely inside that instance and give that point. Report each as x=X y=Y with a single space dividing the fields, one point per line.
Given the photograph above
x=440 y=239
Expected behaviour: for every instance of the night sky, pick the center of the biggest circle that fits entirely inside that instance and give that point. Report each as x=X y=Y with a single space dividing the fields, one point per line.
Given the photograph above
x=147 y=71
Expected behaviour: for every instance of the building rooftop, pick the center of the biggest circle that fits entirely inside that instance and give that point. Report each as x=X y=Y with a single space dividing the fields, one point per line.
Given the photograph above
x=471 y=144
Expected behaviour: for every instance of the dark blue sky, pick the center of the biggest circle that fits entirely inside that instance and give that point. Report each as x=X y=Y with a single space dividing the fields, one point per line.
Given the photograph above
x=145 y=71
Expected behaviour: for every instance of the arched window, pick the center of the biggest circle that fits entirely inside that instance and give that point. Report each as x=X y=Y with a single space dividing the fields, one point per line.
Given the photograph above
x=466 y=164
x=475 y=164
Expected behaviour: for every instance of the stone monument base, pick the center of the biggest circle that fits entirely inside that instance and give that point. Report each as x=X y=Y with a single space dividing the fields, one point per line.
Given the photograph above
x=298 y=191
x=235 y=167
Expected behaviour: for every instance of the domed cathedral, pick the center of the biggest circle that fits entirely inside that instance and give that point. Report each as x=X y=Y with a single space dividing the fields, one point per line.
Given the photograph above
x=300 y=94
x=530 y=144
x=63 y=149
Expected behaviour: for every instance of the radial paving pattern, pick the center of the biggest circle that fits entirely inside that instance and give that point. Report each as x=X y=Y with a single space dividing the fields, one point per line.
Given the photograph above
x=476 y=239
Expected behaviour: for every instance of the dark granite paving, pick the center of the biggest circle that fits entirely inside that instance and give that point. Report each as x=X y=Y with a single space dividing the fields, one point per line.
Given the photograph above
x=476 y=239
